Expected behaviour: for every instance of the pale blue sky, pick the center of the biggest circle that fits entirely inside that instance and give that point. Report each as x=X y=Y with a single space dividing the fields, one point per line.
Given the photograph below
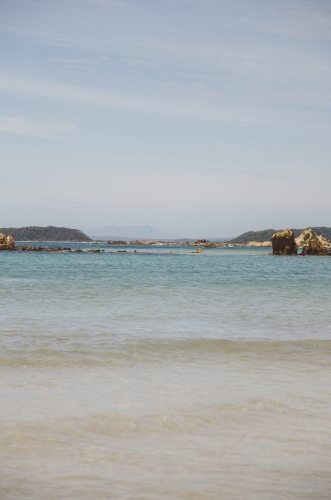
x=202 y=118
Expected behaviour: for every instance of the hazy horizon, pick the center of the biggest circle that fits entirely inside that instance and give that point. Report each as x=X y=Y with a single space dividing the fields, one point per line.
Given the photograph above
x=198 y=118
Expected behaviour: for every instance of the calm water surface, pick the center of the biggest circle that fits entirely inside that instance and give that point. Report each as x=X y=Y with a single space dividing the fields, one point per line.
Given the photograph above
x=162 y=374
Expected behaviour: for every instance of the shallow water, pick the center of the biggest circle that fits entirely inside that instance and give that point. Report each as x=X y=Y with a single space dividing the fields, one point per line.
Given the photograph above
x=163 y=374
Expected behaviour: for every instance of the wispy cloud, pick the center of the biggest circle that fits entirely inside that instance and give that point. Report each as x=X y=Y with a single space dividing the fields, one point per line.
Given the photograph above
x=105 y=98
x=106 y=3
x=305 y=19
x=180 y=101
x=245 y=70
x=19 y=125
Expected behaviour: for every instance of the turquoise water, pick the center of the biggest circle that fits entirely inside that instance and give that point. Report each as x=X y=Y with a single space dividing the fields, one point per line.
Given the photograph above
x=164 y=374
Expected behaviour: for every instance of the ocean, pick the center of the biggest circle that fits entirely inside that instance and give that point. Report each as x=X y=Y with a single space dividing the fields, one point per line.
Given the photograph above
x=157 y=373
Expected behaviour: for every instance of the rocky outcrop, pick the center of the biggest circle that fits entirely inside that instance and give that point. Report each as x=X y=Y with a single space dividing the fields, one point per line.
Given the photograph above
x=52 y=250
x=204 y=243
x=7 y=242
x=258 y=244
x=144 y=242
x=309 y=235
x=283 y=243
x=315 y=247
x=198 y=250
x=24 y=248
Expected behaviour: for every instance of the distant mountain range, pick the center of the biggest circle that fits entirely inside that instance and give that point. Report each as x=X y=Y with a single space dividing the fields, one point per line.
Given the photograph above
x=129 y=233
x=266 y=234
x=49 y=233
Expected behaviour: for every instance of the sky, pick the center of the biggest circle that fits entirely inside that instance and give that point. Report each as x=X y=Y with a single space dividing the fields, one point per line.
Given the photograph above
x=204 y=118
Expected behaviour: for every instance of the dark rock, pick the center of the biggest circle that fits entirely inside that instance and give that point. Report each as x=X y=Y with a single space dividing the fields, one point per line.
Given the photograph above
x=204 y=243
x=283 y=243
x=314 y=247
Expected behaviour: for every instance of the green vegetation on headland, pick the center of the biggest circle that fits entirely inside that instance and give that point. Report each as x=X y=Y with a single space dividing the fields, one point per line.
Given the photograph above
x=266 y=234
x=49 y=233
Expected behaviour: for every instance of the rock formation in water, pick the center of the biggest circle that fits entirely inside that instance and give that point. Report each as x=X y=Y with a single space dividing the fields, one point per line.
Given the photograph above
x=7 y=242
x=315 y=247
x=204 y=243
x=258 y=244
x=144 y=242
x=309 y=235
x=283 y=243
